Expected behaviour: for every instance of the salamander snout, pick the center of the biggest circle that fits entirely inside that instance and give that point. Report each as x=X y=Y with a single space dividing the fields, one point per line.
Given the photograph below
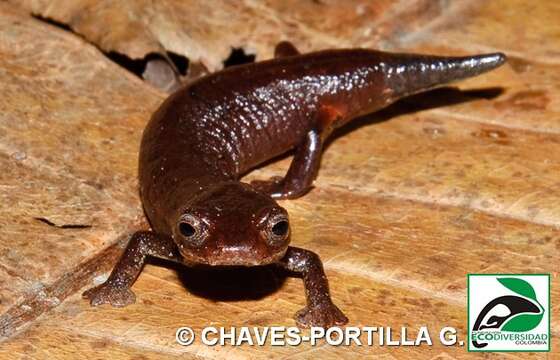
x=232 y=225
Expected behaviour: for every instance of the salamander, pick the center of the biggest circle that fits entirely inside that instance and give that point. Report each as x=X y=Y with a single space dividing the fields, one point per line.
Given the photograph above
x=209 y=133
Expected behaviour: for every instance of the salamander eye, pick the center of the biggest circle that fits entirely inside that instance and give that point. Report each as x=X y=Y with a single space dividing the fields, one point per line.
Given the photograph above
x=281 y=228
x=192 y=229
x=277 y=230
x=187 y=229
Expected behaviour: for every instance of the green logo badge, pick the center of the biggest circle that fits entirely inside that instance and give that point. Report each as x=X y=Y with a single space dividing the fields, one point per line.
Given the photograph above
x=509 y=312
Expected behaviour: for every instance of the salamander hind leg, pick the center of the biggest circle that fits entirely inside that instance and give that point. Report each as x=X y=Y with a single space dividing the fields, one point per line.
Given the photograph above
x=307 y=158
x=116 y=290
x=303 y=170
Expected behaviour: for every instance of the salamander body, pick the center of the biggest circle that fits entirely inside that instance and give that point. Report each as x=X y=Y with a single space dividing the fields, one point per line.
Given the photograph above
x=206 y=135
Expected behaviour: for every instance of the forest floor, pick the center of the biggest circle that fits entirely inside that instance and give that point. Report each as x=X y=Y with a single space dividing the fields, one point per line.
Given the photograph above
x=407 y=203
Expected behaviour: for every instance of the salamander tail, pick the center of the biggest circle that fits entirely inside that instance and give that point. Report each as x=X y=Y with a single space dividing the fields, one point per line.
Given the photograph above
x=409 y=74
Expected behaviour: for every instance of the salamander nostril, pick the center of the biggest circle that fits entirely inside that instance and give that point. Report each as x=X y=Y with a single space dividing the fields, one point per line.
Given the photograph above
x=187 y=229
x=280 y=228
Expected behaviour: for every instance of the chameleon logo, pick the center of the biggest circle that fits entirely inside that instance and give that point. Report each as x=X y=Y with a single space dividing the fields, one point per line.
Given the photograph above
x=512 y=313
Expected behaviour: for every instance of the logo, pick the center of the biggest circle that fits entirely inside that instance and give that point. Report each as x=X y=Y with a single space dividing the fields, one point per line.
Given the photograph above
x=509 y=312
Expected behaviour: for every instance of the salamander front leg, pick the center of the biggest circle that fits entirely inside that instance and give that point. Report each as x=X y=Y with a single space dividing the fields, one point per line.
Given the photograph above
x=116 y=290
x=320 y=310
x=303 y=170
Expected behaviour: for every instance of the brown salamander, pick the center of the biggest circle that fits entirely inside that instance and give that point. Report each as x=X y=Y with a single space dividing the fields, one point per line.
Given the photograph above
x=209 y=133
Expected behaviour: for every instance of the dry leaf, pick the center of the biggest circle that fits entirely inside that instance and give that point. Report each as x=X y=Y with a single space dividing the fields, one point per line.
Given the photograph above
x=206 y=31
x=69 y=135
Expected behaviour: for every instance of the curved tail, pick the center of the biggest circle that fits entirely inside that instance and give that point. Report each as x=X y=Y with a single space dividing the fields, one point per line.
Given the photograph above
x=407 y=74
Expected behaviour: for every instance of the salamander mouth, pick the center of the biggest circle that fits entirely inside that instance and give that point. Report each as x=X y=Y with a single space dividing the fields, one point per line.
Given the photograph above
x=237 y=260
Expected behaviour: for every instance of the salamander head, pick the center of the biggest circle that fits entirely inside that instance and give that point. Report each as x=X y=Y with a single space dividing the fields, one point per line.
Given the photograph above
x=232 y=224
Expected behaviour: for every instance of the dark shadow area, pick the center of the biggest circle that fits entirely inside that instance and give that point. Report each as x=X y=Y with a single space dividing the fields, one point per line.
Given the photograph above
x=134 y=66
x=63 y=226
x=177 y=63
x=53 y=22
x=228 y=283
x=433 y=99
x=238 y=57
x=181 y=62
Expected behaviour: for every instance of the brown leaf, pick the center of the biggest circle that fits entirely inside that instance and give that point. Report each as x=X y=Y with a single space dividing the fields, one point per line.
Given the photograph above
x=206 y=31
x=70 y=128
